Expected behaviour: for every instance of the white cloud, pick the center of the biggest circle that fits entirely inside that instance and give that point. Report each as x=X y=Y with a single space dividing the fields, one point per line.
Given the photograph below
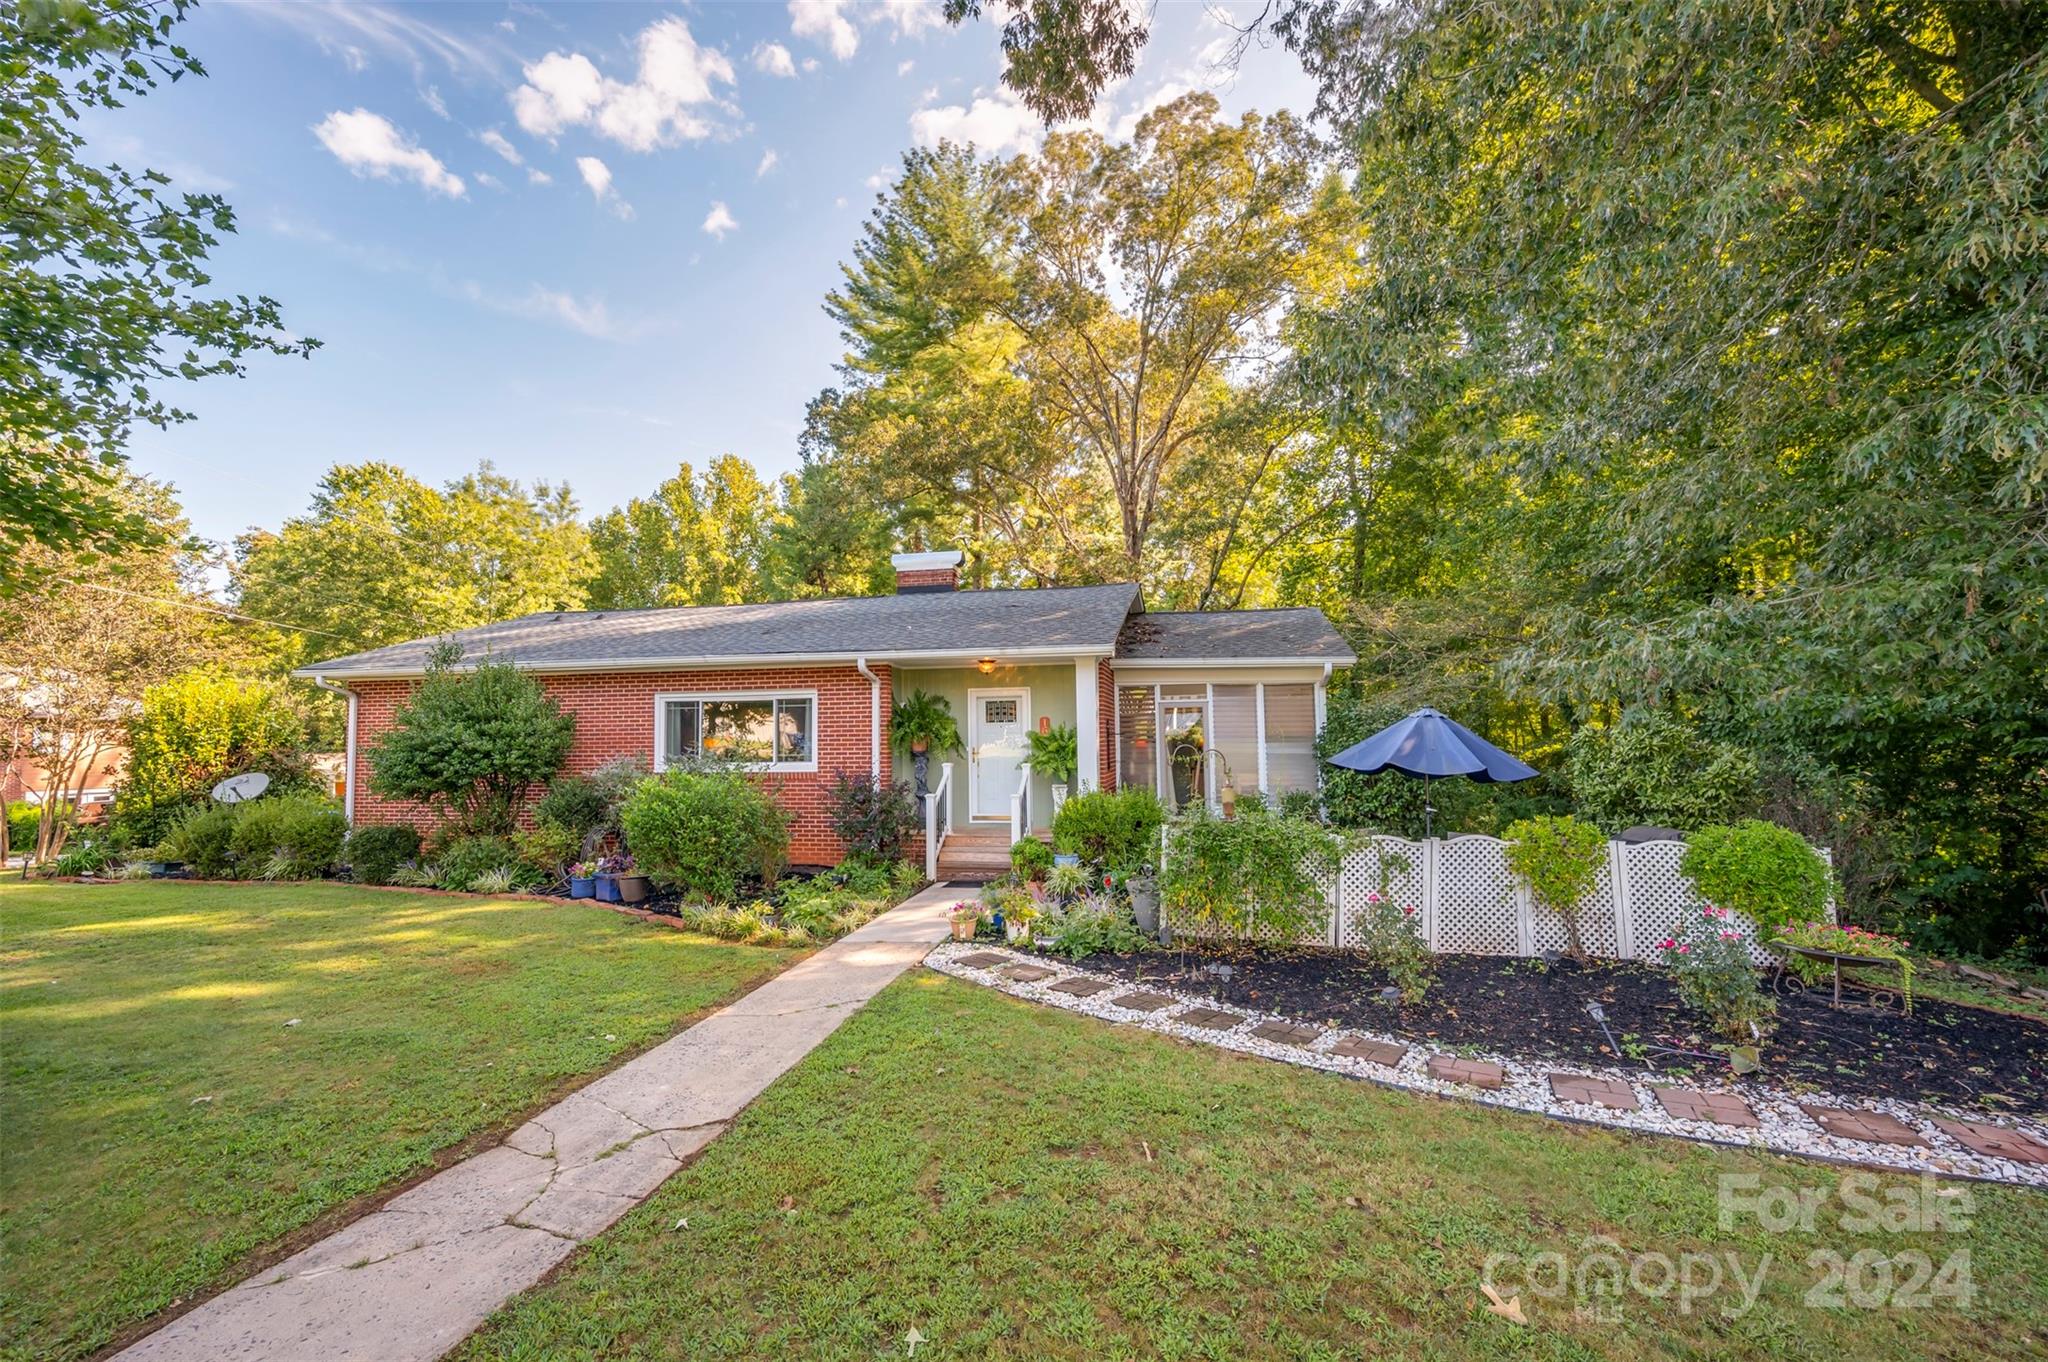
x=368 y=144
x=809 y=65
x=498 y=142
x=769 y=160
x=658 y=108
x=489 y=181
x=353 y=31
x=538 y=176
x=598 y=177
x=720 y=220
x=1163 y=94
x=431 y=97
x=904 y=68
x=991 y=123
x=825 y=22
x=911 y=18
x=878 y=179
x=774 y=59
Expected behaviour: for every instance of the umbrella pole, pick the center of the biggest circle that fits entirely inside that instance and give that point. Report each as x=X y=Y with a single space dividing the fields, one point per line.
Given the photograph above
x=1428 y=812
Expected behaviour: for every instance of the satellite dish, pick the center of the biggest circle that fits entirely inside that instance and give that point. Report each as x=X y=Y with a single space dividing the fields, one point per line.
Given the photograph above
x=236 y=789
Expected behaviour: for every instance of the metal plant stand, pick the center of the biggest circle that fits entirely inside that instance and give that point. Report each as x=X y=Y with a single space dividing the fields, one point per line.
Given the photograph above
x=1881 y=999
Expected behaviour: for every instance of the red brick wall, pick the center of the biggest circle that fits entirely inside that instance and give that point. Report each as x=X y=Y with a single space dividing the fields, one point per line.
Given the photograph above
x=1105 y=704
x=948 y=577
x=615 y=718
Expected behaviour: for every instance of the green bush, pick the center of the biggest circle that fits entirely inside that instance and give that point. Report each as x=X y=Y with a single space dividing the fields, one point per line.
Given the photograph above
x=22 y=820
x=1031 y=859
x=472 y=743
x=375 y=853
x=872 y=820
x=1559 y=859
x=1767 y=873
x=706 y=832
x=463 y=860
x=305 y=831
x=577 y=805
x=204 y=841
x=194 y=730
x=1657 y=769
x=1709 y=963
x=1117 y=829
x=1261 y=875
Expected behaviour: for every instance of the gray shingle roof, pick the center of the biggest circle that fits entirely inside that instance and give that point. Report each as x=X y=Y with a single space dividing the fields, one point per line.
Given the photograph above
x=1299 y=632
x=968 y=623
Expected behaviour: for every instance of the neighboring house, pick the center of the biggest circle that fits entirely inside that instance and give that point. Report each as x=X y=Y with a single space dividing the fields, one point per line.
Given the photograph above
x=1185 y=704
x=91 y=790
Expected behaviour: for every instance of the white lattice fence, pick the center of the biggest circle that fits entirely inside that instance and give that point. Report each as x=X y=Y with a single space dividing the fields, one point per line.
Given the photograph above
x=1469 y=902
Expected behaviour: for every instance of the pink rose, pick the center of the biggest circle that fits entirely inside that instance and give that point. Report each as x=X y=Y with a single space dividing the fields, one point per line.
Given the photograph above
x=1666 y=944
x=1372 y=898
x=1685 y=950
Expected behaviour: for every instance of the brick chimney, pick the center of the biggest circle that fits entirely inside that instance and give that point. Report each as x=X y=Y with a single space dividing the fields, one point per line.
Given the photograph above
x=917 y=573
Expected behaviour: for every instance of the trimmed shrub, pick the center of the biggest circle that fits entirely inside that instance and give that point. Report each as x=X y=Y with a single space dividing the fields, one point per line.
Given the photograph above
x=305 y=833
x=1655 y=768
x=472 y=743
x=1560 y=860
x=1031 y=859
x=375 y=853
x=22 y=821
x=706 y=832
x=577 y=805
x=465 y=859
x=194 y=730
x=1118 y=829
x=1258 y=876
x=204 y=841
x=1767 y=873
x=874 y=820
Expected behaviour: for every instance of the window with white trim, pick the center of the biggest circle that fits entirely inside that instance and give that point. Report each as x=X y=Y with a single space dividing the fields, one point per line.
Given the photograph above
x=774 y=730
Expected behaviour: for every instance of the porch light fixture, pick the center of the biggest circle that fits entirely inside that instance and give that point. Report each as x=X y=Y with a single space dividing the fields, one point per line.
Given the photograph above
x=987 y=665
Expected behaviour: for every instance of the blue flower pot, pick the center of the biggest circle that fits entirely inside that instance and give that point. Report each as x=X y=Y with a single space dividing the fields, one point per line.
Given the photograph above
x=582 y=887
x=608 y=889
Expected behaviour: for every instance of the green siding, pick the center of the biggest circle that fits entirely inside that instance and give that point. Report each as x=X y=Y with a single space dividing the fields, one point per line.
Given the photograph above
x=1052 y=697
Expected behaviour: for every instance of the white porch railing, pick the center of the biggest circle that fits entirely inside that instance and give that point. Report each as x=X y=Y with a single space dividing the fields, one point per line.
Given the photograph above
x=938 y=819
x=1020 y=806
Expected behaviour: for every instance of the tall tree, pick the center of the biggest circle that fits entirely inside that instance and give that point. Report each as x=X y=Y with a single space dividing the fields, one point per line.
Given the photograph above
x=381 y=557
x=102 y=275
x=699 y=540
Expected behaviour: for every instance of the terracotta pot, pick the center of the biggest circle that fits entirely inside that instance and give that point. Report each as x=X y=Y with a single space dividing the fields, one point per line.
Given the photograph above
x=635 y=889
x=963 y=928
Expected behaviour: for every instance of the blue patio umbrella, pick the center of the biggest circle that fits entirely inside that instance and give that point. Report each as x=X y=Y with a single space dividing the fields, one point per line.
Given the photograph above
x=1427 y=745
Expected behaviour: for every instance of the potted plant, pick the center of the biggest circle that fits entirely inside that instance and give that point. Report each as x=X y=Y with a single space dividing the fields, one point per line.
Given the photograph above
x=923 y=723
x=1143 y=888
x=633 y=886
x=583 y=880
x=608 y=871
x=1017 y=924
x=964 y=917
x=1055 y=753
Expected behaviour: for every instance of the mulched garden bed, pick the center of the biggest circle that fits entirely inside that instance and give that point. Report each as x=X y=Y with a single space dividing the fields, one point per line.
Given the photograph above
x=1943 y=1052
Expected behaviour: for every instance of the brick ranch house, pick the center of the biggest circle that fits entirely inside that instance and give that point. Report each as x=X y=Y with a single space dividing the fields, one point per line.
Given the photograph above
x=1192 y=705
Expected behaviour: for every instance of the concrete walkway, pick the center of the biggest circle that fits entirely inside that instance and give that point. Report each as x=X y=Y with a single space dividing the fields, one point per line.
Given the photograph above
x=411 y=1280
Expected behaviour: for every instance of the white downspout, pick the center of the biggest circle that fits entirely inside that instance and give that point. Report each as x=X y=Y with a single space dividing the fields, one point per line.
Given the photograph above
x=860 y=665
x=348 y=779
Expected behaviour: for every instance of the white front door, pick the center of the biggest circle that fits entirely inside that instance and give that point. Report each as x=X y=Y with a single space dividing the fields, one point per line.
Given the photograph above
x=996 y=749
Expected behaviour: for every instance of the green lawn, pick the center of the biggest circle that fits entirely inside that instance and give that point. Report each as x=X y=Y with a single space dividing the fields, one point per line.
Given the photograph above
x=1017 y=1182
x=421 y=1022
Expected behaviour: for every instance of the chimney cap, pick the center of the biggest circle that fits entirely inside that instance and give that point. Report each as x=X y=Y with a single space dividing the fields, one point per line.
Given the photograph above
x=936 y=561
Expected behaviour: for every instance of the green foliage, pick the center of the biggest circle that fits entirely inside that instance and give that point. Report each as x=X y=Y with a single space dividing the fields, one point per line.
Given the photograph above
x=1655 y=768
x=1054 y=753
x=545 y=851
x=1059 y=55
x=1767 y=873
x=1559 y=859
x=472 y=743
x=1030 y=859
x=205 y=841
x=1709 y=963
x=463 y=861
x=1065 y=883
x=1840 y=940
x=1094 y=924
x=873 y=820
x=698 y=540
x=305 y=832
x=22 y=820
x=85 y=856
x=578 y=805
x=1260 y=876
x=100 y=272
x=1111 y=828
x=921 y=717
x=375 y=852
x=1393 y=939
x=706 y=832
x=195 y=730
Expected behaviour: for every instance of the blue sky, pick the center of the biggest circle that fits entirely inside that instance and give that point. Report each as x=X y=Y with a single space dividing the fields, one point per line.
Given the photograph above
x=586 y=242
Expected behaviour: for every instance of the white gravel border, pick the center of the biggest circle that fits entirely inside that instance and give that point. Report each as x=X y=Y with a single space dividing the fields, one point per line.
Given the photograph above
x=1783 y=1128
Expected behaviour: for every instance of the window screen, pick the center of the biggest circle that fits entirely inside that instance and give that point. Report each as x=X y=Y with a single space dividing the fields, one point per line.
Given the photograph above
x=1137 y=755
x=1234 y=732
x=1290 y=738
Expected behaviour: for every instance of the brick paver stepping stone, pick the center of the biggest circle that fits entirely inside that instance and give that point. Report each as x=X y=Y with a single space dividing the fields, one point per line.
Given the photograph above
x=1083 y=988
x=1691 y=1104
x=1210 y=1018
x=982 y=959
x=1371 y=1051
x=1287 y=1033
x=1873 y=1127
x=1981 y=1137
x=1026 y=974
x=1145 y=1000
x=1594 y=1092
x=1477 y=1073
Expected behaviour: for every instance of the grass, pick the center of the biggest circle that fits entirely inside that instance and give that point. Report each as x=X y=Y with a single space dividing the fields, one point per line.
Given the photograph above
x=1018 y=1182
x=163 y=1122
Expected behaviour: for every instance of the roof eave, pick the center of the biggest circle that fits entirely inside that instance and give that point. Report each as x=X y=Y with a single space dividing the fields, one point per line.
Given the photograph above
x=964 y=656
x=1298 y=660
